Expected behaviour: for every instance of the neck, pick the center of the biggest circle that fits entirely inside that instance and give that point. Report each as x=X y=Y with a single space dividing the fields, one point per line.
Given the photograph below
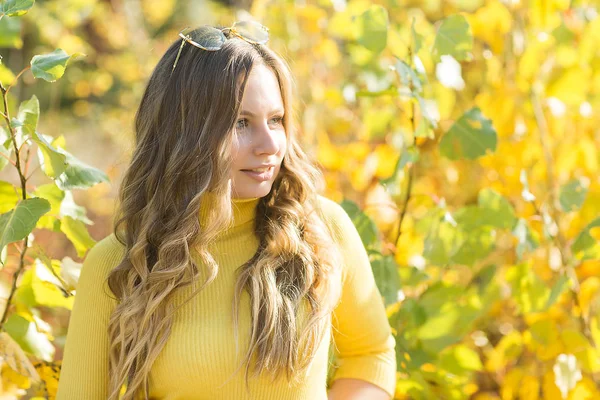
x=242 y=209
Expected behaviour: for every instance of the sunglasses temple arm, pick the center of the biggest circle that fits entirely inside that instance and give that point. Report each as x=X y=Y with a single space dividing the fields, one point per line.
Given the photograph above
x=178 y=54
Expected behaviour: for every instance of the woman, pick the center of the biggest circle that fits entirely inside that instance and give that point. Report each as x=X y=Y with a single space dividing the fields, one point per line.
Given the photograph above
x=220 y=193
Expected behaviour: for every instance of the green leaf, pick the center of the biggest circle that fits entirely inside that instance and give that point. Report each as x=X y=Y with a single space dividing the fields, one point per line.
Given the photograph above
x=55 y=196
x=442 y=241
x=25 y=333
x=373 y=27
x=53 y=162
x=52 y=193
x=16 y=8
x=409 y=155
x=408 y=76
x=557 y=289
x=385 y=271
x=6 y=147
x=364 y=225
x=79 y=175
x=69 y=208
x=454 y=38
x=484 y=278
x=29 y=114
x=438 y=332
x=498 y=210
x=416 y=37
x=78 y=234
x=423 y=129
x=439 y=294
x=16 y=224
x=586 y=247
x=460 y=359
x=425 y=113
x=470 y=137
x=526 y=241
x=530 y=292
x=51 y=67
x=572 y=195
x=478 y=244
x=10 y=33
x=411 y=276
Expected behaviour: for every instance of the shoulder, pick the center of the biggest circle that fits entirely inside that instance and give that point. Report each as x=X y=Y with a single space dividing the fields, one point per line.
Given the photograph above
x=107 y=247
x=106 y=254
x=335 y=217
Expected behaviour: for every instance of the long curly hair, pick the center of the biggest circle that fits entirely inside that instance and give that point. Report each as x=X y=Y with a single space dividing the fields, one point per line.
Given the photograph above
x=184 y=131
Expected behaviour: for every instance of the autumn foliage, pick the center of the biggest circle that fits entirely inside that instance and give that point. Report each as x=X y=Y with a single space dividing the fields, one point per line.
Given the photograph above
x=461 y=136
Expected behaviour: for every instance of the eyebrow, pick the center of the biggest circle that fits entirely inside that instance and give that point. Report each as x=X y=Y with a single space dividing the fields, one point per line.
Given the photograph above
x=275 y=111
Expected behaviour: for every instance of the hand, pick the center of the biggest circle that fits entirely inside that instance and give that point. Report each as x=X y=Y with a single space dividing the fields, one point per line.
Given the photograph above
x=356 y=389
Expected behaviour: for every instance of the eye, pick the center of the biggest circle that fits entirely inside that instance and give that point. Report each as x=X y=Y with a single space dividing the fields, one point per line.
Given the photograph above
x=277 y=120
x=241 y=123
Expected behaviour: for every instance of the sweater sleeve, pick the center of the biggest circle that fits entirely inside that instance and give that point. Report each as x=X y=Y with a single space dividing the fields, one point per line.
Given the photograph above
x=364 y=344
x=84 y=371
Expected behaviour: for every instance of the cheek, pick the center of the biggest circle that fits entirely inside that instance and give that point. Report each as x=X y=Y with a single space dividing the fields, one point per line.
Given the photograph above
x=283 y=145
x=238 y=150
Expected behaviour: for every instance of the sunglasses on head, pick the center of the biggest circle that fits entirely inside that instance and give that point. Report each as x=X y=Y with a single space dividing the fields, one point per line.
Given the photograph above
x=210 y=38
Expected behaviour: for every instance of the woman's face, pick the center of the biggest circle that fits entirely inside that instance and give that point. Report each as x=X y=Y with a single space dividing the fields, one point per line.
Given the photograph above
x=262 y=141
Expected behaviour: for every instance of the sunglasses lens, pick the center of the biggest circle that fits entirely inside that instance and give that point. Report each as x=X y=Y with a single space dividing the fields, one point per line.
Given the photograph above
x=252 y=30
x=208 y=37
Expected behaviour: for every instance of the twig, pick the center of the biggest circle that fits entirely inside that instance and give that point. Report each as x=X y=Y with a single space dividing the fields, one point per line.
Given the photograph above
x=17 y=78
x=411 y=167
x=6 y=116
x=558 y=240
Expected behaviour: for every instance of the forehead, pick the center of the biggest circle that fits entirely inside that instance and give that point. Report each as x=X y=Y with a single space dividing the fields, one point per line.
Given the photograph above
x=262 y=92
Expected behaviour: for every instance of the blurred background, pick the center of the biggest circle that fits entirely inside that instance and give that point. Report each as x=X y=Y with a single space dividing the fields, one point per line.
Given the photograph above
x=462 y=137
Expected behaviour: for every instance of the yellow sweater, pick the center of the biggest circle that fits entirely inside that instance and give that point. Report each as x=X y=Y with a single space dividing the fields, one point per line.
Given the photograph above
x=199 y=357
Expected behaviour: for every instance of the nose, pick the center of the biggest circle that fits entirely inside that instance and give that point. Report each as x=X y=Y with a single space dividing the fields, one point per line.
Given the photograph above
x=266 y=140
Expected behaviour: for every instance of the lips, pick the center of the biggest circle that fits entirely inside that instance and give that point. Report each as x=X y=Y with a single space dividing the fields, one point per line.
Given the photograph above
x=260 y=176
x=261 y=168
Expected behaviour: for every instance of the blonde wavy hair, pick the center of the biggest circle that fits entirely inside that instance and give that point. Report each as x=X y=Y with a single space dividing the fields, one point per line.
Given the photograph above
x=184 y=131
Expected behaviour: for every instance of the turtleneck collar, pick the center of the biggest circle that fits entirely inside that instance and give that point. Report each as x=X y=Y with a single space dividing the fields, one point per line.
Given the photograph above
x=243 y=210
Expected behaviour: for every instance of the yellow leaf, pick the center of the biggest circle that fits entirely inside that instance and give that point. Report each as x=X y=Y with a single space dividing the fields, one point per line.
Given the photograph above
x=584 y=390
x=508 y=349
x=529 y=388
x=571 y=87
x=157 y=13
x=49 y=373
x=549 y=389
x=387 y=157
x=589 y=293
x=490 y=23
x=573 y=341
x=327 y=154
x=511 y=384
x=311 y=18
x=14 y=356
x=6 y=75
x=545 y=13
x=545 y=340
x=12 y=378
x=499 y=106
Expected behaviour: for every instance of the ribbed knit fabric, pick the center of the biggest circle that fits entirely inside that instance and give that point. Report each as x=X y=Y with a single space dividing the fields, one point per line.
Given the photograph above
x=199 y=359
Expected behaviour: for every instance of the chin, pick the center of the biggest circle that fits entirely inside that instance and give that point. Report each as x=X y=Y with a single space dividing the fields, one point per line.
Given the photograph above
x=258 y=191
